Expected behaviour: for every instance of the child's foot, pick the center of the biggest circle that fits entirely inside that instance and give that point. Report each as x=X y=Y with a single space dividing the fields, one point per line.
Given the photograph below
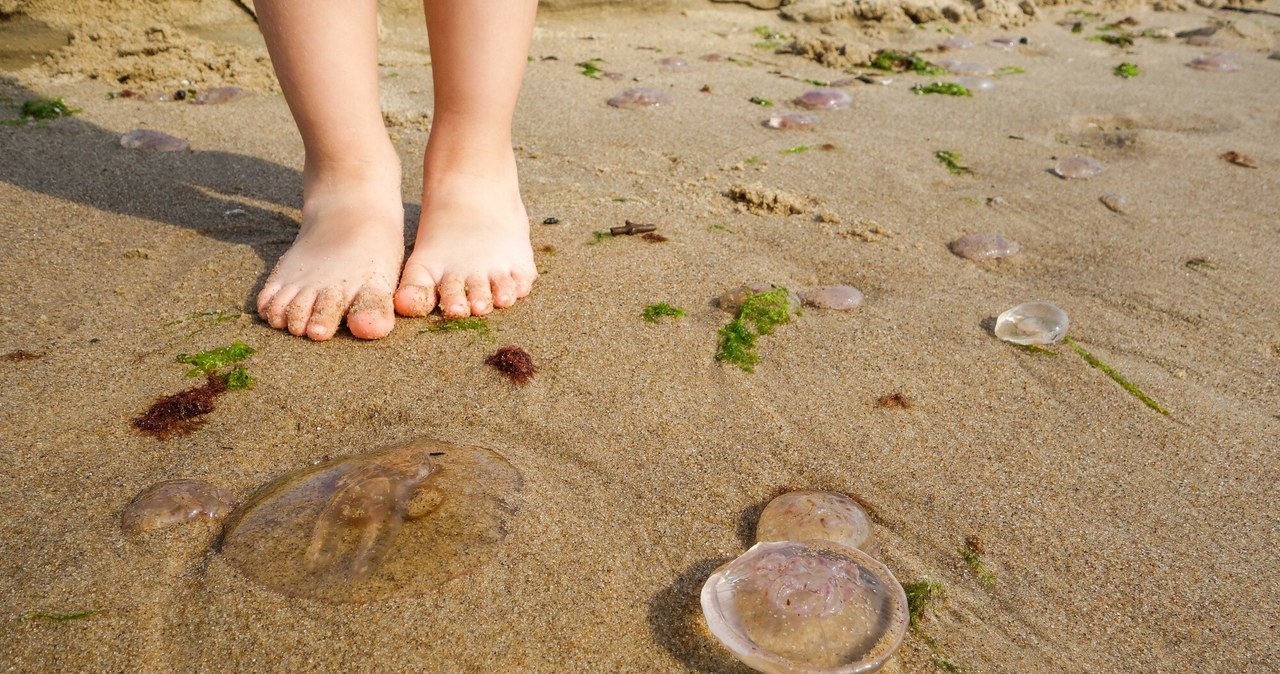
x=472 y=251
x=346 y=256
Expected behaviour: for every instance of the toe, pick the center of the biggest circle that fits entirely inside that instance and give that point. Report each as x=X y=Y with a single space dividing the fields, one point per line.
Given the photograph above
x=504 y=290
x=523 y=281
x=479 y=295
x=371 y=315
x=453 y=297
x=326 y=314
x=415 y=300
x=298 y=313
x=278 y=307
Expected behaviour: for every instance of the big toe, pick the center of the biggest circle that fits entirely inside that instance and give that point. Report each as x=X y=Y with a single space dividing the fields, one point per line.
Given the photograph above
x=371 y=315
x=415 y=299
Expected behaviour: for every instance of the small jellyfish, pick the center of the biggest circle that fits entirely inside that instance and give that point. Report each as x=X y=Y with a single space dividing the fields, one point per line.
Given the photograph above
x=1032 y=323
x=673 y=63
x=156 y=141
x=1222 y=62
x=173 y=502
x=640 y=97
x=807 y=515
x=218 y=95
x=985 y=246
x=814 y=606
x=969 y=69
x=837 y=298
x=1007 y=42
x=824 y=99
x=977 y=83
x=792 y=120
x=957 y=42
x=1116 y=203
x=398 y=521
x=732 y=299
x=1077 y=168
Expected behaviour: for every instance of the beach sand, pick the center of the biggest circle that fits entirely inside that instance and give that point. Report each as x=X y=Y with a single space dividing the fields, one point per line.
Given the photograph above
x=1120 y=540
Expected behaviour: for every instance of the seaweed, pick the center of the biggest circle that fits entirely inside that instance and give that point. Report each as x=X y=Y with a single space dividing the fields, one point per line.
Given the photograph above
x=972 y=555
x=944 y=88
x=759 y=315
x=57 y=616
x=589 y=67
x=209 y=362
x=1116 y=376
x=951 y=160
x=1121 y=39
x=770 y=39
x=598 y=236
x=762 y=102
x=468 y=323
x=922 y=596
x=20 y=355
x=894 y=61
x=514 y=363
x=1033 y=348
x=896 y=399
x=44 y=109
x=654 y=312
x=1126 y=70
x=1009 y=70
x=796 y=150
x=182 y=412
x=1201 y=263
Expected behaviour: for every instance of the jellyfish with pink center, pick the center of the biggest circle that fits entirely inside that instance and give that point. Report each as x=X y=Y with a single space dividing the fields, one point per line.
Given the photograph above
x=824 y=99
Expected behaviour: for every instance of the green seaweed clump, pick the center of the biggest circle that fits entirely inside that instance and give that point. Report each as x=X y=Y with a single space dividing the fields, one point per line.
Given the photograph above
x=599 y=235
x=46 y=108
x=951 y=160
x=1126 y=70
x=759 y=315
x=468 y=323
x=239 y=378
x=1121 y=39
x=1116 y=376
x=770 y=39
x=209 y=362
x=979 y=568
x=654 y=312
x=796 y=150
x=944 y=88
x=922 y=595
x=1009 y=70
x=899 y=62
x=762 y=102
x=590 y=69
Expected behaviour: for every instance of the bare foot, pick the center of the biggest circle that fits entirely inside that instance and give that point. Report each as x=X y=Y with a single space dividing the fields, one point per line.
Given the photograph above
x=345 y=258
x=472 y=251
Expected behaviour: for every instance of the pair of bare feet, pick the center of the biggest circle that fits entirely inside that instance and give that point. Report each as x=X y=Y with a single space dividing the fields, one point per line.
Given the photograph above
x=471 y=253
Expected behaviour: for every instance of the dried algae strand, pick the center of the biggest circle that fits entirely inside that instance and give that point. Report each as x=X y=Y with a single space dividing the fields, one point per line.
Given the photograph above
x=922 y=596
x=972 y=555
x=1107 y=370
x=58 y=617
x=759 y=315
x=654 y=312
x=951 y=160
x=1036 y=349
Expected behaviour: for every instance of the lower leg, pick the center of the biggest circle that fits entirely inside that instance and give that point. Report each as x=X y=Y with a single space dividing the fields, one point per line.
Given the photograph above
x=472 y=249
x=348 y=251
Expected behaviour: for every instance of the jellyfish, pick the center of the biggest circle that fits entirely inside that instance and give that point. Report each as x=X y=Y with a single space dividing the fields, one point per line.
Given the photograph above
x=1032 y=323
x=402 y=520
x=1077 y=168
x=673 y=63
x=156 y=141
x=1007 y=42
x=807 y=515
x=640 y=97
x=970 y=69
x=806 y=606
x=824 y=99
x=1223 y=62
x=174 y=502
x=218 y=95
x=977 y=83
x=957 y=42
x=837 y=297
x=792 y=120
x=732 y=299
x=985 y=246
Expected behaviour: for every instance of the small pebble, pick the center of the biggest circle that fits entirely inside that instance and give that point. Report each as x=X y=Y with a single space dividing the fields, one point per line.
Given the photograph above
x=146 y=139
x=551 y=221
x=218 y=95
x=1275 y=56
x=1240 y=159
x=1077 y=168
x=640 y=98
x=836 y=298
x=1217 y=63
x=824 y=99
x=792 y=121
x=1116 y=203
x=985 y=246
x=957 y=42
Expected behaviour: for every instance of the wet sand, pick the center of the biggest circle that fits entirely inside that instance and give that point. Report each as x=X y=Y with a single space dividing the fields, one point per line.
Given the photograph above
x=1121 y=540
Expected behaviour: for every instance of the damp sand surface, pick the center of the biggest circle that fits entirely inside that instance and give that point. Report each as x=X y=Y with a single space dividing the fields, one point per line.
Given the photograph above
x=1119 y=540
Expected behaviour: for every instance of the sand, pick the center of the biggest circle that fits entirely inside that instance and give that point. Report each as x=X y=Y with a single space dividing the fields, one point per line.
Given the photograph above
x=1120 y=540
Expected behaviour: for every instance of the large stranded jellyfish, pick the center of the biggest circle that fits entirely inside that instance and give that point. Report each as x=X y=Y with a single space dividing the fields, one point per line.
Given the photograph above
x=156 y=141
x=173 y=502
x=812 y=607
x=837 y=297
x=1077 y=168
x=985 y=246
x=640 y=97
x=824 y=99
x=807 y=515
x=398 y=521
x=1032 y=323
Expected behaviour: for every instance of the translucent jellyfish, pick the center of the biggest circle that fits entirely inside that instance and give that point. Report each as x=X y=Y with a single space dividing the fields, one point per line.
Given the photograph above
x=977 y=83
x=1223 y=62
x=732 y=299
x=837 y=297
x=673 y=63
x=808 y=515
x=1007 y=42
x=1032 y=323
x=218 y=95
x=957 y=42
x=812 y=606
x=970 y=69
x=172 y=502
x=1077 y=167
x=398 y=521
x=824 y=99
x=985 y=246
x=156 y=141
x=640 y=98
x=792 y=120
